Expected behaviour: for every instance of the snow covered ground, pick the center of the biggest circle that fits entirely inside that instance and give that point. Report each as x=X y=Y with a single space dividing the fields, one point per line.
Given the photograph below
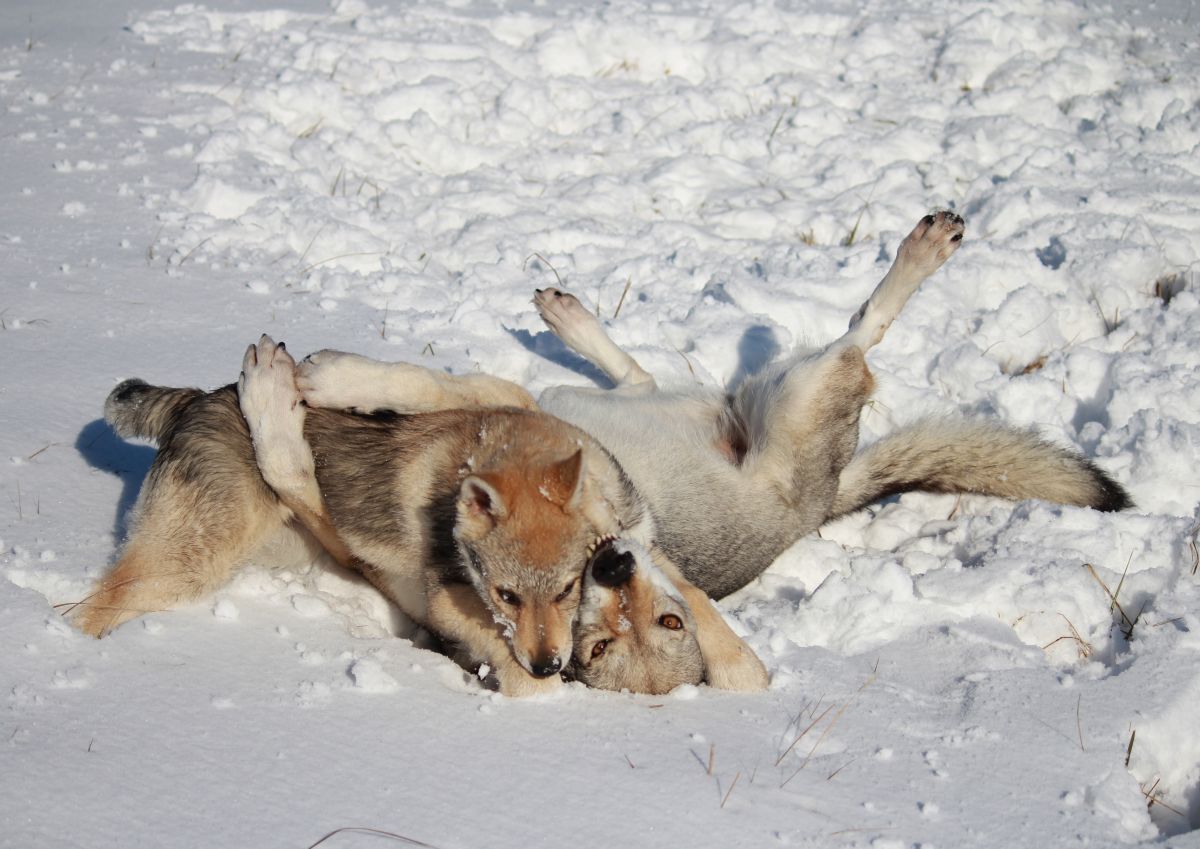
x=396 y=181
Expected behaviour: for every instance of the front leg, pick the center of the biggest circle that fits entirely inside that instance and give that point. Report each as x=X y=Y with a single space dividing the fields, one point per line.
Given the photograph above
x=341 y=381
x=581 y=332
x=729 y=663
x=457 y=614
x=271 y=405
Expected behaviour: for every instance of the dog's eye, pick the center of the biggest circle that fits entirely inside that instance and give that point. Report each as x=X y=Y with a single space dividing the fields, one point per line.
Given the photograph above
x=509 y=597
x=599 y=648
x=670 y=620
x=566 y=591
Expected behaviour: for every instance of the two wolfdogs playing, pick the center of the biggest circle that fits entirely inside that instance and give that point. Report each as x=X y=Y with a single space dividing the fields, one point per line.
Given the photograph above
x=582 y=536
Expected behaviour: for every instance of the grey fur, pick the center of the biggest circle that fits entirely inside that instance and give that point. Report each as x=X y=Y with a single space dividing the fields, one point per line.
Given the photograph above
x=964 y=456
x=136 y=409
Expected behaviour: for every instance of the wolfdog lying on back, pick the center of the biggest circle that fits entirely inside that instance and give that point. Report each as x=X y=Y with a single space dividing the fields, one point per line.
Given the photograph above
x=731 y=480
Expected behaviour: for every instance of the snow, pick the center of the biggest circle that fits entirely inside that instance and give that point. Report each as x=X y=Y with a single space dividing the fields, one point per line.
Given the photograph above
x=395 y=180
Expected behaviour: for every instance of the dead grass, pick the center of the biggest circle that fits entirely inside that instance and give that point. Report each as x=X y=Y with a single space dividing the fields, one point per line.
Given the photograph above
x=729 y=792
x=828 y=728
x=1127 y=623
x=548 y=265
x=1084 y=648
x=621 y=300
x=1168 y=286
x=377 y=832
x=1154 y=796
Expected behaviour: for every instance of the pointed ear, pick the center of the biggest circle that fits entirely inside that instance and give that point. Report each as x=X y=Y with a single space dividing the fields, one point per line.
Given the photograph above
x=562 y=481
x=480 y=507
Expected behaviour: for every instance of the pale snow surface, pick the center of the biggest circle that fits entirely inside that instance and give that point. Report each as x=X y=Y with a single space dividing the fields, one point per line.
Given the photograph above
x=396 y=181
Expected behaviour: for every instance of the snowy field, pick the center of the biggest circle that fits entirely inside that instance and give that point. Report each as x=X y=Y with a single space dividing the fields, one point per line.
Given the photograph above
x=734 y=177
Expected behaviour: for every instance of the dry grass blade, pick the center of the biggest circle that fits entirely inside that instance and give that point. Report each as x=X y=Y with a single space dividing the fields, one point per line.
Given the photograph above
x=546 y=263
x=730 y=790
x=1121 y=583
x=621 y=301
x=201 y=244
x=853 y=234
x=691 y=370
x=800 y=736
x=45 y=447
x=831 y=775
x=1115 y=604
x=1084 y=647
x=1154 y=797
x=1079 y=721
x=309 y=268
x=377 y=832
x=1129 y=748
x=832 y=722
x=712 y=757
x=1193 y=548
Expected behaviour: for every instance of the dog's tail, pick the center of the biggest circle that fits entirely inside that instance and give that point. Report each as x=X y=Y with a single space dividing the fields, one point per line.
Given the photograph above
x=135 y=408
x=937 y=455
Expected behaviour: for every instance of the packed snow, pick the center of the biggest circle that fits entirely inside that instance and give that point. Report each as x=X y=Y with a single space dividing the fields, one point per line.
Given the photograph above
x=720 y=181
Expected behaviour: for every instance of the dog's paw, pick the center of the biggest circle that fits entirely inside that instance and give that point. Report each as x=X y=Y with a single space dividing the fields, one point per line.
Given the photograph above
x=516 y=683
x=932 y=241
x=739 y=670
x=340 y=381
x=267 y=382
x=563 y=314
x=270 y=403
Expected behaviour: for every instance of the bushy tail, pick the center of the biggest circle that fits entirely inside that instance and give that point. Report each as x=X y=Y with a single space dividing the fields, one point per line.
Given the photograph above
x=135 y=408
x=940 y=455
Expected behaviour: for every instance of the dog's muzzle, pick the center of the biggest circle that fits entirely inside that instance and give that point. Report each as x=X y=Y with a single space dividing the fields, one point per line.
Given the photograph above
x=612 y=568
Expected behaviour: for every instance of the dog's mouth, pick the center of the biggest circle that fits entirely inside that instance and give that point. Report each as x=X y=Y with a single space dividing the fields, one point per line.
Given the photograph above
x=634 y=631
x=610 y=564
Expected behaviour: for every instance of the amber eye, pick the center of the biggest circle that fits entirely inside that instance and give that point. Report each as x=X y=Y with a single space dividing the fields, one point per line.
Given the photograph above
x=566 y=591
x=509 y=597
x=599 y=648
x=670 y=620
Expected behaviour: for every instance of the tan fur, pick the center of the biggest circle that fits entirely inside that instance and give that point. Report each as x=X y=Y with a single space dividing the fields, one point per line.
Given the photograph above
x=203 y=511
x=621 y=643
x=392 y=496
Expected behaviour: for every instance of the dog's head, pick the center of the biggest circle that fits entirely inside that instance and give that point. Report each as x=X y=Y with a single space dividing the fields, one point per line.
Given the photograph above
x=524 y=531
x=634 y=630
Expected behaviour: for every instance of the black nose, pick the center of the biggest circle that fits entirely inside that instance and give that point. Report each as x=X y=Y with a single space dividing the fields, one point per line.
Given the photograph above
x=545 y=668
x=612 y=568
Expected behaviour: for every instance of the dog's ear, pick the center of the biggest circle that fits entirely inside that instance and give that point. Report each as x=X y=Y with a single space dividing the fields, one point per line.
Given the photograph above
x=480 y=507
x=562 y=481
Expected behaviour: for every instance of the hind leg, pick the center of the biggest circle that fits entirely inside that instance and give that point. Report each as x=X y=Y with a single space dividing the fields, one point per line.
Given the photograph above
x=922 y=252
x=204 y=509
x=582 y=333
x=162 y=568
x=801 y=417
x=801 y=423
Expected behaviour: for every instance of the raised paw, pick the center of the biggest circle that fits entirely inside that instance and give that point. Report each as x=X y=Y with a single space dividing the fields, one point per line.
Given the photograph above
x=271 y=405
x=340 y=381
x=267 y=382
x=932 y=241
x=563 y=314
